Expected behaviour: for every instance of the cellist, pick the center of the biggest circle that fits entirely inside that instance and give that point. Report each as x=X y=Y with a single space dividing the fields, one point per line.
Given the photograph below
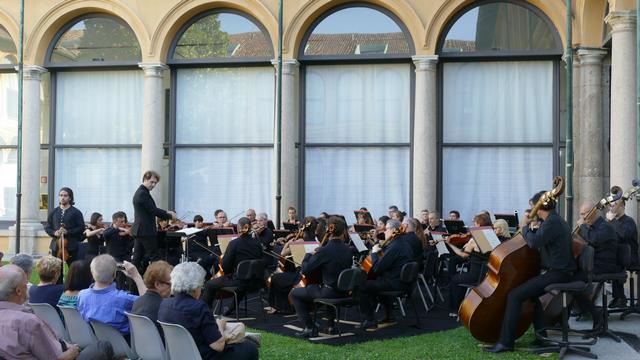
x=553 y=240
x=72 y=230
x=387 y=268
x=244 y=247
x=329 y=259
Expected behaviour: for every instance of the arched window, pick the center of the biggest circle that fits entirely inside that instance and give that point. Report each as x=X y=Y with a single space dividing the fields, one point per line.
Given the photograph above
x=8 y=125
x=98 y=113
x=95 y=40
x=223 y=114
x=357 y=111
x=500 y=65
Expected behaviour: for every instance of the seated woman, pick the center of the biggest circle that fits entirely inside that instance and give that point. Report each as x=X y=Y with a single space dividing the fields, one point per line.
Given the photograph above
x=78 y=278
x=186 y=309
x=501 y=228
x=47 y=291
x=157 y=278
x=456 y=292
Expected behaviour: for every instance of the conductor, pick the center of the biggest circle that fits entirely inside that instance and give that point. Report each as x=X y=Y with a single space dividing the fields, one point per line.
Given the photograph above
x=144 y=231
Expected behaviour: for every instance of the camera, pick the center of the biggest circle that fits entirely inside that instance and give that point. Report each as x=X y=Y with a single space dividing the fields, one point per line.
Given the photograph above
x=120 y=266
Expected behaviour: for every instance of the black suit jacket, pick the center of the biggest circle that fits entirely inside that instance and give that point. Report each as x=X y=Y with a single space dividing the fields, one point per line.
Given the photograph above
x=145 y=213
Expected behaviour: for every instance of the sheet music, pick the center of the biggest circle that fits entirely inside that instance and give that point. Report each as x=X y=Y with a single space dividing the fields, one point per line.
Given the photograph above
x=189 y=231
x=357 y=242
x=485 y=237
x=440 y=245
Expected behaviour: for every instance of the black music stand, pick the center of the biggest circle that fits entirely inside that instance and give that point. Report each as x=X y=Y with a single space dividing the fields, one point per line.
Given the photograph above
x=185 y=235
x=455 y=227
x=289 y=226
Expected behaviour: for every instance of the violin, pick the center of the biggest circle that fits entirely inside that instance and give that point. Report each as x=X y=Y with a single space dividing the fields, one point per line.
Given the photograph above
x=62 y=245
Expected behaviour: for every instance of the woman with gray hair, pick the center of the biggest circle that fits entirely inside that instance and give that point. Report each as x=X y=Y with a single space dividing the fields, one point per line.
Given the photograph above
x=24 y=262
x=186 y=309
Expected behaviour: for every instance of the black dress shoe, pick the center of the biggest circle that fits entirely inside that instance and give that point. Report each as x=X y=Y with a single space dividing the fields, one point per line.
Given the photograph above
x=498 y=348
x=306 y=333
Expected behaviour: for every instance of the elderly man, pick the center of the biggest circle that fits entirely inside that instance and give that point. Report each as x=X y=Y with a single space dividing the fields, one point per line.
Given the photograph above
x=186 y=309
x=102 y=301
x=24 y=262
x=24 y=335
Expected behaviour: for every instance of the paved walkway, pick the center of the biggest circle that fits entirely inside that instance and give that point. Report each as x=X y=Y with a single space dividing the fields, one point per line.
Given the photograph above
x=606 y=348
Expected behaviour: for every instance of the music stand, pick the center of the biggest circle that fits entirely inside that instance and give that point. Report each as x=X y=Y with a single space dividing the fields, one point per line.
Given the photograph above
x=289 y=226
x=360 y=228
x=485 y=238
x=455 y=227
x=367 y=215
x=185 y=234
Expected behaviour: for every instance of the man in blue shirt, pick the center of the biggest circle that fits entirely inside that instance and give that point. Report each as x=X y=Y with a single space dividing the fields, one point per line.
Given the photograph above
x=102 y=301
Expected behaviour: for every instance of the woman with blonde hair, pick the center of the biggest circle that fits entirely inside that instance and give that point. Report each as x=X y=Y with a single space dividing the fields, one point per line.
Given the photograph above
x=47 y=291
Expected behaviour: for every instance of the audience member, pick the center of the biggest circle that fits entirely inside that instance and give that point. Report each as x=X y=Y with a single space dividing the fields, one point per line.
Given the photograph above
x=24 y=262
x=157 y=279
x=102 y=301
x=47 y=291
x=186 y=309
x=78 y=278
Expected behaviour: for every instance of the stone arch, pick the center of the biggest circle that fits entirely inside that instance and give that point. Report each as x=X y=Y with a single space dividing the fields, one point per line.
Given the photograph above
x=180 y=14
x=303 y=19
x=554 y=10
x=590 y=17
x=56 y=17
x=11 y=26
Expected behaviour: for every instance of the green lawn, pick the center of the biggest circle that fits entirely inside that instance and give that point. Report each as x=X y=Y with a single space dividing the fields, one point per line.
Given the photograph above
x=451 y=344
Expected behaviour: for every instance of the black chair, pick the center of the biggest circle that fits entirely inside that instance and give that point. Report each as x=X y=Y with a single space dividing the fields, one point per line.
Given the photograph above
x=634 y=302
x=349 y=281
x=409 y=281
x=623 y=252
x=564 y=346
x=251 y=272
x=430 y=274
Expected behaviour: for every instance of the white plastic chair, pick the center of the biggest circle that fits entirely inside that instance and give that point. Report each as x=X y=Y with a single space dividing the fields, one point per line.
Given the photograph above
x=50 y=315
x=145 y=338
x=79 y=330
x=109 y=334
x=180 y=344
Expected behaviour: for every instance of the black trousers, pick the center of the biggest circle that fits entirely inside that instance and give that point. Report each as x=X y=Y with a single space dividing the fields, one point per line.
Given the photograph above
x=532 y=289
x=145 y=251
x=211 y=288
x=302 y=299
x=457 y=292
x=281 y=285
x=369 y=297
x=241 y=351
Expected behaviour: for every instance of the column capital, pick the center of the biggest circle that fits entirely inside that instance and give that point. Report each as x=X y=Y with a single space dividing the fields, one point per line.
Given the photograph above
x=289 y=67
x=425 y=62
x=591 y=56
x=153 y=69
x=622 y=21
x=32 y=72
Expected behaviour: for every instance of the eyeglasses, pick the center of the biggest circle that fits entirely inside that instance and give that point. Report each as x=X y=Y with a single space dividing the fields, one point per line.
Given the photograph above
x=168 y=283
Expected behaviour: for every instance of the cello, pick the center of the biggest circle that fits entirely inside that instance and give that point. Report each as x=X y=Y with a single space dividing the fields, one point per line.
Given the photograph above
x=510 y=264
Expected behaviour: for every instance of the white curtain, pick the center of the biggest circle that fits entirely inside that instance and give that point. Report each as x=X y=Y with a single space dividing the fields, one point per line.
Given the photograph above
x=232 y=179
x=357 y=103
x=498 y=102
x=103 y=180
x=341 y=180
x=8 y=136
x=99 y=107
x=225 y=106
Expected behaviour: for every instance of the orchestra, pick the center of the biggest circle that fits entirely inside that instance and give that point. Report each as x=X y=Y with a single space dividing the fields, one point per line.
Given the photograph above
x=391 y=242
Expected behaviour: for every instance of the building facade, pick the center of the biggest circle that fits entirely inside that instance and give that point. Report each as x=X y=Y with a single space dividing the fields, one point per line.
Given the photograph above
x=446 y=104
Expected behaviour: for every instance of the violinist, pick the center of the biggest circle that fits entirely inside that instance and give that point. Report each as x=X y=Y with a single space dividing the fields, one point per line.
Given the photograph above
x=501 y=228
x=72 y=230
x=286 y=277
x=424 y=218
x=454 y=215
x=292 y=216
x=262 y=231
x=435 y=225
x=94 y=233
x=329 y=259
x=244 y=247
x=119 y=245
x=553 y=240
x=196 y=247
x=413 y=240
x=251 y=215
x=387 y=268
x=627 y=233
x=221 y=219
x=457 y=292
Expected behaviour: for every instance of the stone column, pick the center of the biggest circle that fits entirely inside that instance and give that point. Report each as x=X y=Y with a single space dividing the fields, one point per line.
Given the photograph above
x=30 y=207
x=589 y=142
x=290 y=138
x=623 y=101
x=153 y=127
x=425 y=168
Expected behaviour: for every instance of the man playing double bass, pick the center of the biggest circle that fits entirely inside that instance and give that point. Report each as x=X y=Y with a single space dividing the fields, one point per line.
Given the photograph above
x=553 y=240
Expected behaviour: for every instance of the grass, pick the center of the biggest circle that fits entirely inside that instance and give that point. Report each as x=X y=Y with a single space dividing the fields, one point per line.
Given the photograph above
x=451 y=344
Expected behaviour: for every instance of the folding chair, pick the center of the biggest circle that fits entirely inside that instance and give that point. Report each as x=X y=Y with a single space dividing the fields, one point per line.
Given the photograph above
x=51 y=316
x=180 y=344
x=80 y=331
x=145 y=338
x=109 y=334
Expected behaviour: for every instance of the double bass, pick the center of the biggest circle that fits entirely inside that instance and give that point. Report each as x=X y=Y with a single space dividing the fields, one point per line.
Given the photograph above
x=510 y=264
